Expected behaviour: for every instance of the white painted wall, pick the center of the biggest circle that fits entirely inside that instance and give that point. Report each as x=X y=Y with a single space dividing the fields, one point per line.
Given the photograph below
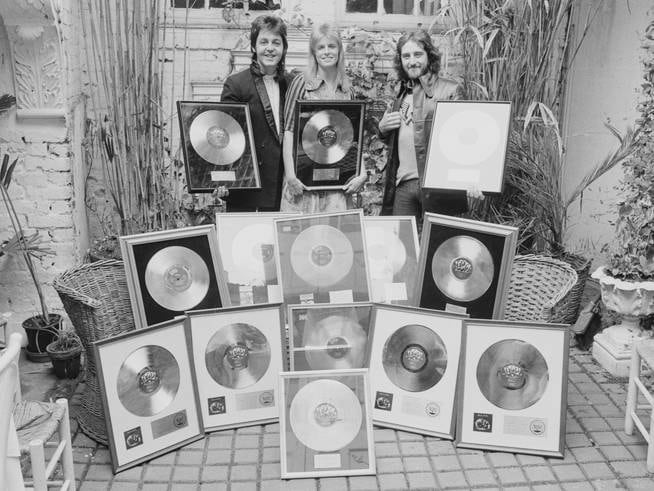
x=603 y=85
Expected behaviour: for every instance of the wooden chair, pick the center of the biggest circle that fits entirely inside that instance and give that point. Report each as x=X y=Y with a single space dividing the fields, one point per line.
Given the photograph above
x=641 y=351
x=29 y=427
x=537 y=285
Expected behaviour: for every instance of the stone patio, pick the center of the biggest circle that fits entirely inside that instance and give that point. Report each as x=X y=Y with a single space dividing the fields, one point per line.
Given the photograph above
x=598 y=454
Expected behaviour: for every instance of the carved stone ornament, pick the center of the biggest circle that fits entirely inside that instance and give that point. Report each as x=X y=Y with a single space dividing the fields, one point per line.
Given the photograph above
x=36 y=53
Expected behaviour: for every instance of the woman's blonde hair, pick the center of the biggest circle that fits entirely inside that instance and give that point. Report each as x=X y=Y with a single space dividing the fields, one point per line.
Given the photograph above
x=330 y=31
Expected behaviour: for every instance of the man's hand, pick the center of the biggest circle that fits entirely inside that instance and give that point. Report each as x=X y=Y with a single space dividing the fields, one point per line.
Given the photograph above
x=390 y=121
x=473 y=192
x=356 y=183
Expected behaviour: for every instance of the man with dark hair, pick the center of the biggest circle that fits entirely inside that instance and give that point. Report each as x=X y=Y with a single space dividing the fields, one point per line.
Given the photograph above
x=263 y=87
x=407 y=127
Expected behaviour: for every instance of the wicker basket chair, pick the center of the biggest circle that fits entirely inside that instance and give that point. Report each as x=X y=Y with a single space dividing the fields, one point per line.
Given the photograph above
x=537 y=285
x=96 y=299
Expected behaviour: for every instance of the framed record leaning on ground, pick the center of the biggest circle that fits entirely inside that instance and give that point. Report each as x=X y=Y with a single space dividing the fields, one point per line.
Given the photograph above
x=172 y=271
x=237 y=355
x=328 y=142
x=414 y=366
x=329 y=336
x=148 y=392
x=467 y=147
x=247 y=251
x=514 y=390
x=325 y=424
x=465 y=266
x=392 y=247
x=322 y=258
x=218 y=146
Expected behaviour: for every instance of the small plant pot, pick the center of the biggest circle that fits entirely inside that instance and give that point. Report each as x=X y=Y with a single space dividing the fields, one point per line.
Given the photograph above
x=40 y=335
x=66 y=364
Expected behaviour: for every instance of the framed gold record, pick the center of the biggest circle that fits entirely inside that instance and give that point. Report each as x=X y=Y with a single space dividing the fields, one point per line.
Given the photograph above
x=218 y=146
x=148 y=385
x=329 y=336
x=328 y=142
x=467 y=147
x=172 y=271
x=464 y=266
x=325 y=424
x=322 y=258
x=237 y=357
x=514 y=387
x=247 y=251
x=414 y=369
x=392 y=248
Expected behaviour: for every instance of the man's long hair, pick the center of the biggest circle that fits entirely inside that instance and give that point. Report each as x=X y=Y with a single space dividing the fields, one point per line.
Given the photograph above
x=328 y=31
x=421 y=38
x=275 y=25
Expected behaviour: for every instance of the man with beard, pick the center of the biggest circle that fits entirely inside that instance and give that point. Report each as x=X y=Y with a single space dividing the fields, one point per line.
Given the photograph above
x=263 y=87
x=407 y=127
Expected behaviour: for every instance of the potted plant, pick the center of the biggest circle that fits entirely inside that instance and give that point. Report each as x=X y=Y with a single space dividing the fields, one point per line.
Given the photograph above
x=42 y=328
x=65 y=352
x=627 y=281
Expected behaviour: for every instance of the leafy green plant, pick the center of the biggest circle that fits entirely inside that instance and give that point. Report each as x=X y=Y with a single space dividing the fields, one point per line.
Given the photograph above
x=28 y=247
x=632 y=251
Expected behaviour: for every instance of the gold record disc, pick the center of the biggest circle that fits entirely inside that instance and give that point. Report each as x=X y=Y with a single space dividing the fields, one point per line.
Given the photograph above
x=512 y=374
x=335 y=342
x=253 y=251
x=217 y=137
x=414 y=358
x=327 y=136
x=462 y=268
x=325 y=415
x=148 y=380
x=237 y=355
x=469 y=137
x=321 y=255
x=177 y=278
x=386 y=253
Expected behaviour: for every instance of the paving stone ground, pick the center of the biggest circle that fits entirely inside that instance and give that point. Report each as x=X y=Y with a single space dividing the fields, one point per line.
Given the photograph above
x=598 y=455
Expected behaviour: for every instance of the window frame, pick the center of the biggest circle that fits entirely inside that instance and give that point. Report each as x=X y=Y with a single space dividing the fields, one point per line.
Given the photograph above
x=205 y=16
x=384 y=21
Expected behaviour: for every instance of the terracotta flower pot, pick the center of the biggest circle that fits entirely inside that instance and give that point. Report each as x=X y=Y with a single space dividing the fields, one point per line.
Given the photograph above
x=40 y=335
x=66 y=364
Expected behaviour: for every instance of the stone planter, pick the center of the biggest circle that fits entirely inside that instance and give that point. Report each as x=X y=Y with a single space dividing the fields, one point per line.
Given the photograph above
x=632 y=300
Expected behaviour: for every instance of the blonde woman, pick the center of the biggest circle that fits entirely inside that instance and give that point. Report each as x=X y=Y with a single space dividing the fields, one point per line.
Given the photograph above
x=324 y=79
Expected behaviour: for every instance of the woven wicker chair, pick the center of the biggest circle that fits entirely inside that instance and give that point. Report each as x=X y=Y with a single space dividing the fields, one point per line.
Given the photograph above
x=537 y=285
x=96 y=299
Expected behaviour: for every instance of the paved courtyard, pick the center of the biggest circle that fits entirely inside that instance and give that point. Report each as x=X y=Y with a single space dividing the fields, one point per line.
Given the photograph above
x=598 y=454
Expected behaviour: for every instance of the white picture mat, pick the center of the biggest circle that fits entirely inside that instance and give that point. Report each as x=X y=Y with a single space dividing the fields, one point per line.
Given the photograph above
x=453 y=162
x=367 y=421
x=383 y=288
x=111 y=358
x=479 y=338
x=202 y=327
x=449 y=329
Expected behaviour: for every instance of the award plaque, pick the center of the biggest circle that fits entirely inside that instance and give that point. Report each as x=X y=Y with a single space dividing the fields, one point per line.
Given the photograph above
x=218 y=146
x=467 y=147
x=329 y=336
x=328 y=142
x=322 y=258
x=148 y=392
x=247 y=251
x=237 y=355
x=465 y=266
x=392 y=248
x=172 y=271
x=414 y=368
x=325 y=425
x=514 y=387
